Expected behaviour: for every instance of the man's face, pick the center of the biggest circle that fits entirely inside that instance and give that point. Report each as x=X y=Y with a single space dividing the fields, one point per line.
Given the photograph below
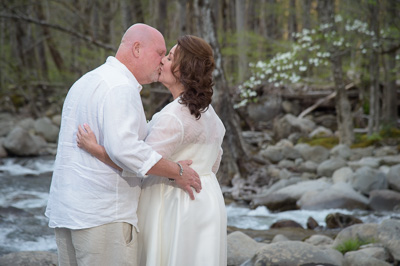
x=151 y=62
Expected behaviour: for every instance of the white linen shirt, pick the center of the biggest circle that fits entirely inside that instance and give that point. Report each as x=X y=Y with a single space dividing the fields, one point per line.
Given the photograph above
x=84 y=191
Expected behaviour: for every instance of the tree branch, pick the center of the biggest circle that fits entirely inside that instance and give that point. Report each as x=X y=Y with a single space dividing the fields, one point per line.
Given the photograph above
x=60 y=28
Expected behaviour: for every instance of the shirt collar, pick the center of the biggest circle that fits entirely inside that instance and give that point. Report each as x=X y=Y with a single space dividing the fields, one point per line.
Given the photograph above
x=111 y=60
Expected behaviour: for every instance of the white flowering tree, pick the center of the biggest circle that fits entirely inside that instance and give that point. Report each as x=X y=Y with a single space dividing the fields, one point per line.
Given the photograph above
x=317 y=56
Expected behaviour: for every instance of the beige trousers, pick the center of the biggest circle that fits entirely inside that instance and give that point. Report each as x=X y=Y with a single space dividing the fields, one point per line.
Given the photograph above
x=108 y=245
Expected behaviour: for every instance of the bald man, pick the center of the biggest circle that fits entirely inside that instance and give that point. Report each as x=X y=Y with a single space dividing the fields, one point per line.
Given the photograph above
x=91 y=206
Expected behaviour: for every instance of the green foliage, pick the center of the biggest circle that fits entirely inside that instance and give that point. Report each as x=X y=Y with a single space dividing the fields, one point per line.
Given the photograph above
x=352 y=244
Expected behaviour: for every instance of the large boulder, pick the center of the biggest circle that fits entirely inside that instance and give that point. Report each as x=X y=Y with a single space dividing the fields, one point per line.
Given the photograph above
x=241 y=248
x=338 y=196
x=389 y=236
x=393 y=177
x=20 y=142
x=45 y=128
x=366 y=179
x=361 y=232
x=287 y=253
x=328 y=167
x=289 y=124
x=384 y=200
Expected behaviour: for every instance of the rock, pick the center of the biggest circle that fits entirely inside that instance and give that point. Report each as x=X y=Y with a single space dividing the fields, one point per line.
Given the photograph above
x=27 y=258
x=366 y=179
x=389 y=236
x=27 y=123
x=359 y=153
x=3 y=152
x=241 y=248
x=316 y=154
x=343 y=151
x=319 y=240
x=22 y=143
x=290 y=124
x=286 y=198
x=344 y=174
x=256 y=138
x=359 y=258
x=295 y=253
x=45 y=128
x=286 y=223
x=272 y=153
x=56 y=120
x=376 y=250
x=308 y=166
x=321 y=132
x=328 y=167
x=337 y=196
x=279 y=238
x=383 y=200
x=340 y=220
x=312 y=223
x=385 y=151
x=393 y=177
x=365 y=161
x=361 y=232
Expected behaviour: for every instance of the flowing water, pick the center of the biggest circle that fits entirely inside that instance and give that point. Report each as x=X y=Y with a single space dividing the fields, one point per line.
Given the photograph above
x=24 y=189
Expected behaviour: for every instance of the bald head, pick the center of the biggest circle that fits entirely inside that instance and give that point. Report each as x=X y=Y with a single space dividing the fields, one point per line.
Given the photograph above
x=141 y=50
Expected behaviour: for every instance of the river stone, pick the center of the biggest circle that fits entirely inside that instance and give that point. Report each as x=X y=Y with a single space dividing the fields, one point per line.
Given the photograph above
x=376 y=250
x=340 y=196
x=321 y=132
x=344 y=174
x=241 y=248
x=366 y=179
x=390 y=160
x=362 y=232
x=309 y=166
x=384 y=200
x=342 y=150
x=340 y=220
x=22 y=143
x=393 y=177
x=365 y=161
x=359 y=258
x=27 y=123
x=319 y=240
x=45 y=128
x=389 y=236
x=279 y=238
x=358 y=153
x=3 y=152
x=288 y=253
x=26 y=258
x=316 y=154
x=385 y=151
x=7 y=123
x=286 y=198
x=328 y=167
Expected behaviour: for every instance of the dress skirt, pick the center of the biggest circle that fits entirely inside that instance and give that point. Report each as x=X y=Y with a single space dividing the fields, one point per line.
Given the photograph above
x=178 y=231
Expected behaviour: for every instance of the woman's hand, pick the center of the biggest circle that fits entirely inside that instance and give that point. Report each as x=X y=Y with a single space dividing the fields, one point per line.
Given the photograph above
x=86 y=139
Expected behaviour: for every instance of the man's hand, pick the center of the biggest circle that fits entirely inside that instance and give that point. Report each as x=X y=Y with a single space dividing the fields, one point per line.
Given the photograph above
x=189 y=179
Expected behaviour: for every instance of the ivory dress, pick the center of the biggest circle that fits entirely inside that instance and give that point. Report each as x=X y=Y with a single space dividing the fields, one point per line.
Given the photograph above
x=175 y=230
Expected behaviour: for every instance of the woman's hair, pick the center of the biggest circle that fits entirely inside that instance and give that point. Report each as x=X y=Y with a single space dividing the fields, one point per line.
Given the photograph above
x=193 y=65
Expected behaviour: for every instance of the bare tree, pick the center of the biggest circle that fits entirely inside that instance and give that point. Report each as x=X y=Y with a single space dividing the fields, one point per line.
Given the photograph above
x=374 y=94
x=343 y=107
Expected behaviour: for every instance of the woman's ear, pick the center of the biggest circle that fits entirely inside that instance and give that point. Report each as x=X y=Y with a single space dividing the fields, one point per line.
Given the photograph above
x=136 y=49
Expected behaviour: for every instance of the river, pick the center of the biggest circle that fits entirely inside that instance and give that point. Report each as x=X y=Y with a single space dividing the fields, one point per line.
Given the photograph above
x=24 y=187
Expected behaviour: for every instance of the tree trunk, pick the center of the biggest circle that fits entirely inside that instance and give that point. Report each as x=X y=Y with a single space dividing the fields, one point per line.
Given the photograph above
x=292 y=21
x=390 y=92
x=235 y=156
x=374 y=95
x=241 y=39
x=343 y=108
x=306 y=16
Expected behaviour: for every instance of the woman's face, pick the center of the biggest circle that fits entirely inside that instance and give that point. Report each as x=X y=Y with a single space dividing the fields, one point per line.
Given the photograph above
x=166 y=76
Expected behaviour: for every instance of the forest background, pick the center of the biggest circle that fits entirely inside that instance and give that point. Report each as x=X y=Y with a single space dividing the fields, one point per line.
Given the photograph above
x=260 y=46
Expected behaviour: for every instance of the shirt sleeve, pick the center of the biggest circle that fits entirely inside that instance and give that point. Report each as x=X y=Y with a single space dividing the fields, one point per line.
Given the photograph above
x=166 y=134
x=122 y=123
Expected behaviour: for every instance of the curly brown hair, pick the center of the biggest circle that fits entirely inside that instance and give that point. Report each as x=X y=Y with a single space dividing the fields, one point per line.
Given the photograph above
x=193 y=66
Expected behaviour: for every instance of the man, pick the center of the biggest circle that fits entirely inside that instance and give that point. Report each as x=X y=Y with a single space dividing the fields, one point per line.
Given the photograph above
x=91 y=205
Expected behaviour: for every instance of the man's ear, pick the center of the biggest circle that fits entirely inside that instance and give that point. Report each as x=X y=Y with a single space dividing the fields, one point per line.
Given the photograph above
x=136 y=49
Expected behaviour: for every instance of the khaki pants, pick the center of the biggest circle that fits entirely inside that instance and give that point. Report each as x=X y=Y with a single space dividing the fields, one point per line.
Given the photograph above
x=108 y=245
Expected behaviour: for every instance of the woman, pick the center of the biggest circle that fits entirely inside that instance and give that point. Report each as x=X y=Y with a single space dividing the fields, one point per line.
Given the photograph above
x=175 y=230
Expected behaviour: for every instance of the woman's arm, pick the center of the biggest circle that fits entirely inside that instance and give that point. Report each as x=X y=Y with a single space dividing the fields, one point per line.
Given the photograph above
x=87 y=141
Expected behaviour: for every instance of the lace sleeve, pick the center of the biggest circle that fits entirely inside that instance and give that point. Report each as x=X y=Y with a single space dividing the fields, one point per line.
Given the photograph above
x=166 y=133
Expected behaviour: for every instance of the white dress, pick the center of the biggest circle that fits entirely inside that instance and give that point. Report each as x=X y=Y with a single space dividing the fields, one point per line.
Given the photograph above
x=175 y=230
